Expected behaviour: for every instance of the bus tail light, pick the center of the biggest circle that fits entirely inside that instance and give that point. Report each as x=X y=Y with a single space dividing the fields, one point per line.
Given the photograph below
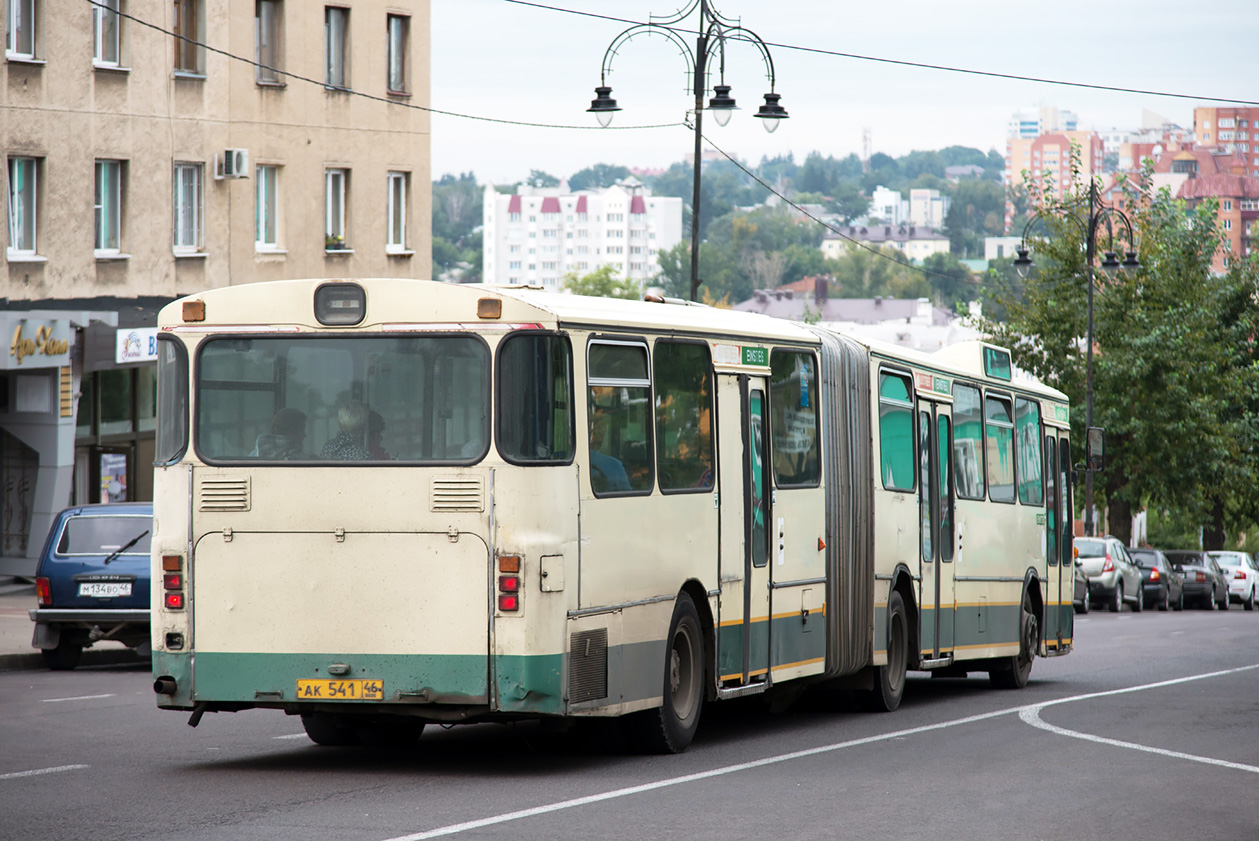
x=174 y=601
x=43 y=592
x=173 y=582
x=509 y=584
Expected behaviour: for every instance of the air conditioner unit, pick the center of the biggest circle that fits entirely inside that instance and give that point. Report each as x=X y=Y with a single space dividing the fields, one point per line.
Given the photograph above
x=235 y=163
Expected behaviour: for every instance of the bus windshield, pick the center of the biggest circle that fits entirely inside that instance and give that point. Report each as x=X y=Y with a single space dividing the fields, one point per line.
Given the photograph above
x=317 y=399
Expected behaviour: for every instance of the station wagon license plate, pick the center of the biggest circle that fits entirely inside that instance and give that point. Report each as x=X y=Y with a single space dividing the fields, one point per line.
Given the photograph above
x=105 y=589
x=341 y=690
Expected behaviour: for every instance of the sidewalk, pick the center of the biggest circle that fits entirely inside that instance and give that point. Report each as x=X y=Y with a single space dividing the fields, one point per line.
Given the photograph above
x=16 y=629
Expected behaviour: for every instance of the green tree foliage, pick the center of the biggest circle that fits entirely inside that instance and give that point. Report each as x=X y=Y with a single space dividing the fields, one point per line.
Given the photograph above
x=977 y=210
x=538 y=178
x=1174 y=377
x=603 y=282
x=457 y=216
x=597 y=177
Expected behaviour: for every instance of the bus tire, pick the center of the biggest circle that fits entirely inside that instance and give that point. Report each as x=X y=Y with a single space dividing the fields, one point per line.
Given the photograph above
x=889 y=680
x=331 y=731
x=670 y=727
x=1014 y=673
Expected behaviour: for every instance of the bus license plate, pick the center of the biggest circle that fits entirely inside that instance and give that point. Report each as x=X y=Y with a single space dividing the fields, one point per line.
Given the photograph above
x=105 y=589
x=340 y=690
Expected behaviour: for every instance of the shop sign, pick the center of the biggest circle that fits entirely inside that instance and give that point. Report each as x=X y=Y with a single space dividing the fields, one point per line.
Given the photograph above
x=37 y=343
x=135 y=345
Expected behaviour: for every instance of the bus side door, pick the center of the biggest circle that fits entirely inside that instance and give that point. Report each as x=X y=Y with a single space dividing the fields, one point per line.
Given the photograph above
x=743 y=642
x=936 y=530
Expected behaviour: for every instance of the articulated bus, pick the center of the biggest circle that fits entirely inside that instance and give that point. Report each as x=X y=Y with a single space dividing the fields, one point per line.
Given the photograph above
x=384 y=503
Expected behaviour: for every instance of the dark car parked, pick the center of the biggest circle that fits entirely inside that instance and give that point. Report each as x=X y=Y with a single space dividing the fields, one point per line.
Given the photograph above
x=92 y=581
x=1161 y=584
x=1204 y=580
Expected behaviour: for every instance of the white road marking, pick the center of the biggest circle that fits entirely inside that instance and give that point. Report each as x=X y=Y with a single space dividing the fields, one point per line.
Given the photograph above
x=18 y=774
x=77 y=698
x=1029 y=714
x=292 y=736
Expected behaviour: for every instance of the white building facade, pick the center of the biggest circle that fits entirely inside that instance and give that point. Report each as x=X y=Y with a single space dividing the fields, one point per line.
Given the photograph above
x=538 y=235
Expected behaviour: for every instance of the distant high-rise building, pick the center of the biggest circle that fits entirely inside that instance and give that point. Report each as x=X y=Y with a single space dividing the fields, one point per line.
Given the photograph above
x=1033 y=122
x=538 y=235
x=1046 y=159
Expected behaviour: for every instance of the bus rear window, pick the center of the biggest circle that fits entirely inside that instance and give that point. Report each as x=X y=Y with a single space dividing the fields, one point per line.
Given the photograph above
x=317 y=399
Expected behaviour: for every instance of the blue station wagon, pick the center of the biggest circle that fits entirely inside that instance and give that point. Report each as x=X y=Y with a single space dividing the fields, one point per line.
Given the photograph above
x=92 y=581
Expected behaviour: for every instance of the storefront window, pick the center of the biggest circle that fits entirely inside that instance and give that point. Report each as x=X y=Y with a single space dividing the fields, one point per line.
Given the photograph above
x=146 y=399
x=86 y=409
x=115 y=401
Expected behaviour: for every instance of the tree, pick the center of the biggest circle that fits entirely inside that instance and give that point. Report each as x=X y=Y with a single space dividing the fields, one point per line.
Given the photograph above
x=597 y=177
x=603 y=282
x=674 y=276
x=538 y=178
x=1174 y=358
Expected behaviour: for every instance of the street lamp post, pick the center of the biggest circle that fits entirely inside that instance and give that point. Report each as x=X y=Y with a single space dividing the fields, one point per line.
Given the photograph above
x=714 y=31
x=1098 y=214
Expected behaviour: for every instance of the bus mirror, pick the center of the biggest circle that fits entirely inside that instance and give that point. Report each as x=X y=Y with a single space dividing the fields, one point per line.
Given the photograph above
x=1095 y=448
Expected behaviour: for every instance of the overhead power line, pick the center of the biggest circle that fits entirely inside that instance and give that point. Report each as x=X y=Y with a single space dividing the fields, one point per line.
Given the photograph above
x=902 y=62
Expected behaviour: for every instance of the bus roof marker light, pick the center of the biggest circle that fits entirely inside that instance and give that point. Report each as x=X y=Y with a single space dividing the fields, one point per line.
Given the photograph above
x=194 y=311
x=489 y=308
x=340 y=304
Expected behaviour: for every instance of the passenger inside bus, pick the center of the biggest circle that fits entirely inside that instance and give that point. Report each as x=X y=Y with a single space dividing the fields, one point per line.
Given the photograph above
x=607 y=473
x=288 y=433
x=347 y=445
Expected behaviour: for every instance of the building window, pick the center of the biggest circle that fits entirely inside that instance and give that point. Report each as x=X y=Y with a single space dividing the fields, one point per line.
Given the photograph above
x=188 y=53
x=268 y=16
x=1228 y=224
x=108 y=206
x=397 y=213
x=20 y=26
x=22 y=205
x=187 y=206
x=335 y=184
x=105 y=27
x=398 y=33
x=266 y=209
x=336 y=38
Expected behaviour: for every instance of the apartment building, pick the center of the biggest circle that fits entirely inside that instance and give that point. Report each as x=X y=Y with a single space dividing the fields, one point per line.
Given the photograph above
x=1230 y=130
x=537 y=235
x=915 y=242
x=155 y=148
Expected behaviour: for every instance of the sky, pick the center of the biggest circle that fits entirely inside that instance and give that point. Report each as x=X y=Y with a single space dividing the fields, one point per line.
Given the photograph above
x=539 y=64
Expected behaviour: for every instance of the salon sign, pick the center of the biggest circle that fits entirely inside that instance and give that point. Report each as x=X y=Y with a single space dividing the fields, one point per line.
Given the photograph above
x=36 y=343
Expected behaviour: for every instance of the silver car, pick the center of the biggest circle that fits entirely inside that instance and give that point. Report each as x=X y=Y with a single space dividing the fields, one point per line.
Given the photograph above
x=1113 y=576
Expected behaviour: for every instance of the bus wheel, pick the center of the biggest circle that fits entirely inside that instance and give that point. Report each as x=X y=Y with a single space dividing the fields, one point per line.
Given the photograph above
x=329 y=730
x=671 y=727
x=1015 y=673
x=889 y=680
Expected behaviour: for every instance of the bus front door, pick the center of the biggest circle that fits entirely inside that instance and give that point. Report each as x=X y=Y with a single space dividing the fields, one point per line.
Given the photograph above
x=745 y=499
x=936 y=530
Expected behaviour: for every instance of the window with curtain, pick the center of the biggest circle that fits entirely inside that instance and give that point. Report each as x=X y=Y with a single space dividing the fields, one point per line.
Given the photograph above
x=398 y=29
x=105 y=31
x=22 y=205
x=268 y=16
x=187 y=206
x=336 y=40
x=108 y=205
x=267 y=207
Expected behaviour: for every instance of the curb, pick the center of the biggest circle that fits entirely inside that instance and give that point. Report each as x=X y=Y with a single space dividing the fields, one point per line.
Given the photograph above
x=105 y=657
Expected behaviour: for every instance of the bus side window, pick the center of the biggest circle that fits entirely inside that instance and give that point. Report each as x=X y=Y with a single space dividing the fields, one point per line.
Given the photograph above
x=999 y=435
x=896 y=431
x=1027 y=445
x=535 y=403
x=793 y=399
x=968 y=442
x=618 y=404
x=684 y=415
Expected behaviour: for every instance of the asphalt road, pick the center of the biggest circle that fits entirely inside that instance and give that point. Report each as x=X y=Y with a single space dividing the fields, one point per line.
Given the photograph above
x=1149 y=730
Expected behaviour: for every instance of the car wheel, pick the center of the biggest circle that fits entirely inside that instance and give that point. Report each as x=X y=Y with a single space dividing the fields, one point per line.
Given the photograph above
x=1138 y=604
x=1083 y=606
x=1167 y=599
x=1116 y=602
x=1249 y=604
x=1180 y=601
x=64 y=657
x=1208 y=600
x=1224 y=600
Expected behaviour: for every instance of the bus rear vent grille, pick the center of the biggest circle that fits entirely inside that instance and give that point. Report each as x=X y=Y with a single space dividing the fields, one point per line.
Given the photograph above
x=588 y=666
x=225 y=494
x=458 y=495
